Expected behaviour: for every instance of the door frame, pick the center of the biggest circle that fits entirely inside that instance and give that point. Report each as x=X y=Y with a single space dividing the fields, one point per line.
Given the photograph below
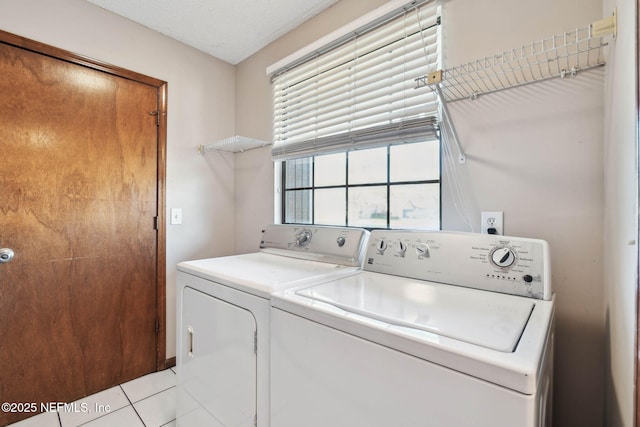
x=162 y=89
x=636 y=367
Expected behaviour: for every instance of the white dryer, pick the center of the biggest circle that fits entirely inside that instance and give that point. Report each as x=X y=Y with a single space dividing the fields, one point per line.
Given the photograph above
x=223 y=317
x=438 y=329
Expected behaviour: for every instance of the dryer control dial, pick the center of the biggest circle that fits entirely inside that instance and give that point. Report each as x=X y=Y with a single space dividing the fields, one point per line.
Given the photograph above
x=402 y=248
x=422 y=250
x=303 y=238
x=381 y=246
x=503 y=257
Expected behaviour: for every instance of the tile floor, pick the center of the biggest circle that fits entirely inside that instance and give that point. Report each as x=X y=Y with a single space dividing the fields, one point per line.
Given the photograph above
x=148 y=401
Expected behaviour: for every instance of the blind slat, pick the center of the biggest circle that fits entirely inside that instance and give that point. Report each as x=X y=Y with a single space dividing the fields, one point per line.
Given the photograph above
x=396 y=106
x=401 y=85
x=413 y=62
x=415 y=130
x=317 y=71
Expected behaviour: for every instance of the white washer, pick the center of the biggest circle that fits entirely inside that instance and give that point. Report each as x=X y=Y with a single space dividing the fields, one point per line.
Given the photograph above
x=223 y=314
x=439 y=329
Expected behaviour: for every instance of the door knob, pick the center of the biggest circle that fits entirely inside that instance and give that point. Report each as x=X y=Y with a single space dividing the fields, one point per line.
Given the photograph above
x=6 y=255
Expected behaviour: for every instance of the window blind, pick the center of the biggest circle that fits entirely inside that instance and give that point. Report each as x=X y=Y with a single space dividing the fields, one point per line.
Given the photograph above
x=361 y=93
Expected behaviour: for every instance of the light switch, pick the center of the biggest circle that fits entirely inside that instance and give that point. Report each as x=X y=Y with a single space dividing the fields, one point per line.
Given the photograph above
x=176 y=216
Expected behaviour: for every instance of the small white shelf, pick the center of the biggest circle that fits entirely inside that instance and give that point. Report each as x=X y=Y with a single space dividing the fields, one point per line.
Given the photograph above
x=233 y=144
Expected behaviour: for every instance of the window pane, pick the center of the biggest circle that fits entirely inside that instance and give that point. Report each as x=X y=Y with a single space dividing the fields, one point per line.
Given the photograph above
x=368 y=207
x=330 y=170
x=415 y=206
x=415 y=162
x=368 y=166
x=330 y=206
x=298 y=173
x=298 y=206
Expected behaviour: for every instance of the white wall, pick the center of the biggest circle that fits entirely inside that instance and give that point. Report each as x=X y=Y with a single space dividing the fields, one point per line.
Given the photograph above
x=535 y=153
x=200 y=110
x=621 y=213
x=254 y=169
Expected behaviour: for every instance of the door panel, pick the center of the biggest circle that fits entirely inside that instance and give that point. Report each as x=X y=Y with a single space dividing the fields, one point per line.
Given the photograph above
x=78 y=194
x=218 y=363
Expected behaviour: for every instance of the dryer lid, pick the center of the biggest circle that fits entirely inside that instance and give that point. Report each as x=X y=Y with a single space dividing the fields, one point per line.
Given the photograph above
x=262 y=273
x=491 y=320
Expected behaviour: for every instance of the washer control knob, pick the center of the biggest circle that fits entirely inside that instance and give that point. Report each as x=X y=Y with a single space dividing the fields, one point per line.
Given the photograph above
x=303 y=238
x=422 y=250
x=503 y=257
x=341 y=241
x=381 y=246
x=402 y=248
x=527 y=278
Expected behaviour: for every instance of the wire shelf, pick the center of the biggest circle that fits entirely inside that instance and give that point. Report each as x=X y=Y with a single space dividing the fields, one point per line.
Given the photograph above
x=562 y=55
x=234 y=144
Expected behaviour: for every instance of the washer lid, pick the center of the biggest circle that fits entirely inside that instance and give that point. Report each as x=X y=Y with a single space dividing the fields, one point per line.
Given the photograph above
x=491 y=320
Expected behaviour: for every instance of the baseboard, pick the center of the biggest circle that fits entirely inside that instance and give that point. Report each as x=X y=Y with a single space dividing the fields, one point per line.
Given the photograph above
x=170 y=363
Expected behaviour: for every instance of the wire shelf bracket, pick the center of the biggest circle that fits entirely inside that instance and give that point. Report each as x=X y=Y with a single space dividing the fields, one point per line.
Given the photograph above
x=234 y=144
x=448 y=121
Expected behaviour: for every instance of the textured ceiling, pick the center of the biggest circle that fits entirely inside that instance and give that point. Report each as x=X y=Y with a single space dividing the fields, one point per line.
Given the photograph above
x=231 y=30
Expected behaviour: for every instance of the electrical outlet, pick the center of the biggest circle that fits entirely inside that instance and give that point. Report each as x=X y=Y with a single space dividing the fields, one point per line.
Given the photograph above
x=491 y=223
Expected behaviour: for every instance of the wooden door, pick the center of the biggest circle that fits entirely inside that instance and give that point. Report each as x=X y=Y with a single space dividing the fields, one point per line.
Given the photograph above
x=78 y=204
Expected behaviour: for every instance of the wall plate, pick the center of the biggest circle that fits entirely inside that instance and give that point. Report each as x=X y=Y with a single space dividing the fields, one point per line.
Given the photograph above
x=176 y=216
x=490 y=221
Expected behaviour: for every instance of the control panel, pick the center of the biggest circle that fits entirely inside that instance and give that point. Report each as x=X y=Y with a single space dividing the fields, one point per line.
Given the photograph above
x=511 y=265
x=341 y=245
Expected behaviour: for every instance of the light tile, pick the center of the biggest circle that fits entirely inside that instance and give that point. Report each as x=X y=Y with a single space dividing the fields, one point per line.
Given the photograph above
x=122 y=417
x=171 y=424
x=149 y=385
x=46 y=419
x=92 y=407
x=158 y=409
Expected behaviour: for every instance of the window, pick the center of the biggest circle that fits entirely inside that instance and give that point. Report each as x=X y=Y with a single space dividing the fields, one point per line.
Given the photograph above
x=396 y=186
x=359 y=141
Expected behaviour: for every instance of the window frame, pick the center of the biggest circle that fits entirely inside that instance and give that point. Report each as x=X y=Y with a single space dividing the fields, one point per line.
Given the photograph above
x=388 y=184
